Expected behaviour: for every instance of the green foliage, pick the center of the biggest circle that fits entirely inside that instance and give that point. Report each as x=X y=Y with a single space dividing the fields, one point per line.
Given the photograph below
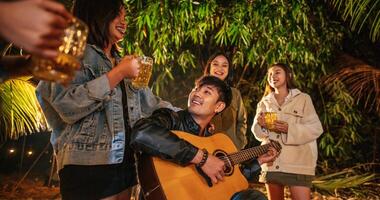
x=20 y=111
x=341 y=119
x=181 y=35
x=347 y=182
x=354 y=181
x=361 y=14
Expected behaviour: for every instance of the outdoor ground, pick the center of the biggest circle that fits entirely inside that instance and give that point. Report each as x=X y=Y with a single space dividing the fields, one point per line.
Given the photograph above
x=28 y=189
x=33 y=188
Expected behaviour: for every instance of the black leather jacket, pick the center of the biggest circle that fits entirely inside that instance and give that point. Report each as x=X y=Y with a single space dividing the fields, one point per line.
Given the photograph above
x=152 y=135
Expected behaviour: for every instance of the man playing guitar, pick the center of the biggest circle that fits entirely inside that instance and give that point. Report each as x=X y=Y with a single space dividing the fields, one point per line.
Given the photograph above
x=153 y=135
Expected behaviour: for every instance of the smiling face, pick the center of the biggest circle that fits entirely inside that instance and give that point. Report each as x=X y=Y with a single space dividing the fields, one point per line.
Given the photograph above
x=277 y=77
x=219 y=67
x=117 y=27
x=204 y=101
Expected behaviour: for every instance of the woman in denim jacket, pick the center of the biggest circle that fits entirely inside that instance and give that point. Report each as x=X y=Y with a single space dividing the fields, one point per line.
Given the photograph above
x=92 y=116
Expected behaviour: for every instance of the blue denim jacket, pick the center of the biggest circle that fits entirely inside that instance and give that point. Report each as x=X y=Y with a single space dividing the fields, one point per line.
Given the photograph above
x=87 y=116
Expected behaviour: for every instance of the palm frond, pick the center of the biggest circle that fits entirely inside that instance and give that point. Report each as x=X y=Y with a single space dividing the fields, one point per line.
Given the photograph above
x=360 y=13
x=20 y=113
x=356 y=180
x=361 y=80
x=334 y=183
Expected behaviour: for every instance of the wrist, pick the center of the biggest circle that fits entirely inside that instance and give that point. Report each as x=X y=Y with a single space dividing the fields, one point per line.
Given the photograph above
x=259 y=161
x=198 y=157
x=204 y=158
x=114 y=77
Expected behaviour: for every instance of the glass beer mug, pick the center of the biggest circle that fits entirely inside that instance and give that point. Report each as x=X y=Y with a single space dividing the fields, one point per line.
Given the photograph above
x=145 y=72
x=62 y=68
x=270 y=117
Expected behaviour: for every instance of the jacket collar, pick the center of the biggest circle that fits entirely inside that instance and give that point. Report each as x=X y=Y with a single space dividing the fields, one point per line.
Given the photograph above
x=192 y=125
x=292 y=94
x=101 y=52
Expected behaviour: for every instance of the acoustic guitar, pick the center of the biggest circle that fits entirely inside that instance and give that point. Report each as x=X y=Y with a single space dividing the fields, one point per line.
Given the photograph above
x=164 y=180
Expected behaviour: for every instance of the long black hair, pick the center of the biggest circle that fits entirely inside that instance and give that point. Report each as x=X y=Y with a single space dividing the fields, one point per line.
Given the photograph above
x=97 y=14
x=230 y=75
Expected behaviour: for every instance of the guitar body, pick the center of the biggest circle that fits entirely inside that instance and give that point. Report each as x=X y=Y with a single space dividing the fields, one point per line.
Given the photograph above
x=162 y=179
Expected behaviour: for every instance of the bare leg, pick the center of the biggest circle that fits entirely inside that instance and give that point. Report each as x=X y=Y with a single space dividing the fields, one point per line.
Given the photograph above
x=275 y=191
x=124 y=195
x=300 y=193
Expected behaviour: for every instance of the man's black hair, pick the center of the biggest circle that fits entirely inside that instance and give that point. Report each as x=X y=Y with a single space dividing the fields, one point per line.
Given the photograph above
x=224 y=91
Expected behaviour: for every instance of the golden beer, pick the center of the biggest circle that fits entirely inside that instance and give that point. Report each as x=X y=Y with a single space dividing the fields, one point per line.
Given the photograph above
x=145 y=72
x=62 y=68
x=270 y=117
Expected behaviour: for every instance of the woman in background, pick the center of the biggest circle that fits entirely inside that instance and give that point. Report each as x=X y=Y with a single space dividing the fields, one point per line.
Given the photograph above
x=297 y=128
x=233 y=120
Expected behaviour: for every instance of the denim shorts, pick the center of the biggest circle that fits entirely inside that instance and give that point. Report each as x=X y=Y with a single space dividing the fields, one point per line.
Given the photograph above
x=286 y=179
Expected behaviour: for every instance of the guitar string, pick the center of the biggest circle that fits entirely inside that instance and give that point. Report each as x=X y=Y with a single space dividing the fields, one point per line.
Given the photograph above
x=247 y=154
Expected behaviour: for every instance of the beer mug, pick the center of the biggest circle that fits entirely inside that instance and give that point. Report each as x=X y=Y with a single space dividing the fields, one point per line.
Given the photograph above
x=62 y=68
x=270 y=117
x=145 y=72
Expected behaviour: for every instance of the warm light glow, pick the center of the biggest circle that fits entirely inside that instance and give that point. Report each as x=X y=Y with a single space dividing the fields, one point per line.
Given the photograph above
x=11 y=151
x=30 y=153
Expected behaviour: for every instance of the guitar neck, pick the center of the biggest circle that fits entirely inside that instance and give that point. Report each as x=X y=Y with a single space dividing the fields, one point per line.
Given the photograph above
x=248 y=154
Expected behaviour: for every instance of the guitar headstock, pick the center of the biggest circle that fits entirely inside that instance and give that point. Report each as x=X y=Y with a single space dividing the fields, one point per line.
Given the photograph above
x=275 y=145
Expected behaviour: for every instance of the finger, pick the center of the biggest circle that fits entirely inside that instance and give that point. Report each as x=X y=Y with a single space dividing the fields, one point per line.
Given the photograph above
x=270 y=153
x=220 y=177
x=128 y=56
x=48 y=54
x=222 y=173
x=50 y=44
x=214 y=179
x=59 y=22
x=278 y=122
x=54 y=33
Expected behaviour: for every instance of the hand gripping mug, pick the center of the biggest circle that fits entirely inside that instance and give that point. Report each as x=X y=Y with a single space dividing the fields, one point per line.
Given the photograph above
x=62 y=68
x=145 y=72
x=270 y=117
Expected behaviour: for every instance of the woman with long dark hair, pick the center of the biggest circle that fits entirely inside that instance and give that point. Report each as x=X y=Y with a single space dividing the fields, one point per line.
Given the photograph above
x=92 y=116
x=233 y=119
x=296 y=128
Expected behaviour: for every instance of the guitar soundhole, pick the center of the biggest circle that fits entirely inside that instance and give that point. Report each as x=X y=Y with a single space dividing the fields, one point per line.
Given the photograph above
x=229 y=170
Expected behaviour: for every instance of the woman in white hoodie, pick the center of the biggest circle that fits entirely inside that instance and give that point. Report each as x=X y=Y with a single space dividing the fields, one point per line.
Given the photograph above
x=297 y=128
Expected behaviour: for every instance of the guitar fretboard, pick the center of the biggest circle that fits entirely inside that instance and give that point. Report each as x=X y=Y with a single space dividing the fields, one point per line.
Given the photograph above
x=247 y=154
